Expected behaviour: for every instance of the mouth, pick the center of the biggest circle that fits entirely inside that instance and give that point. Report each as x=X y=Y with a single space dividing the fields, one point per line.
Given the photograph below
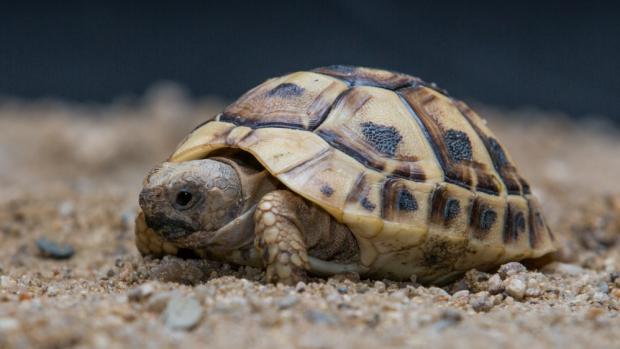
x=236 y=233
x=169 y=228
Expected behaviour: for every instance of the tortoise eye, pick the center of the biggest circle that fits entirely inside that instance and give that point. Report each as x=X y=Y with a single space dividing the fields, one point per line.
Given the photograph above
x=183 y=198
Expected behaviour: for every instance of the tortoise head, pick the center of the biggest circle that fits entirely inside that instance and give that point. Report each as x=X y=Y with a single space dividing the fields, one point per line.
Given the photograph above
x=184 y=200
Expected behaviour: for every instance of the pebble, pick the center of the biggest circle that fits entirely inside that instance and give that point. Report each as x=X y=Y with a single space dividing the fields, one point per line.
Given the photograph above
x=600 y=297
x=54 y=250
x=380 y=286
x=463 y=294
x=300 y=287
x=140 y=293
x=510 y=269
x=495 y=284
x=515 y=288
x=66 y=209
x=481 y=301
x=319 y=317
x=8 y=324
x=8 y=283
x=476 y=280
x=182 y=313
x=158 y=302
x=288 y=301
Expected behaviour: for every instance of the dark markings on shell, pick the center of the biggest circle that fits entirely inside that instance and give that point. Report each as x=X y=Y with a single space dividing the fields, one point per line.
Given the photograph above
x=327 y=190
x=359 y=193
x=515 y=185
x=452 y=209
x=482 y=218
x=358 y=76
x=444 y=208
x=515 y=224
x=497 y=152
x=442 y=253
x=458 y=144
x=536 y=224
x=324 y=115
x=241 y=121
x=286 y=90
x=396 y=198
x=442 y=141
x=333 y=139
x=385 y=139
x=406 y=201
x=414 y=173
x=354 y=76
x=367 y=204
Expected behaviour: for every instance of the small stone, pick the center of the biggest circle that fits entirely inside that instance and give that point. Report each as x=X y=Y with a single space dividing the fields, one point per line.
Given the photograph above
x=461 y=295
x=319 y=317
x=600 y=297
x=343 y=289
x=8 y=324
x=8 y=283
x=287 y=301
x=66 y=209
x=515 y=288
x=476 y=280
x=300 y=287
x=379 y=286
x=182 y=313
x=140 y=293
x=51 y=249
x=510 y=269
x=481 y=301
x=158 y=302
x=533 y=292
x=603 y=287
x=495 y=284
x=51 y=291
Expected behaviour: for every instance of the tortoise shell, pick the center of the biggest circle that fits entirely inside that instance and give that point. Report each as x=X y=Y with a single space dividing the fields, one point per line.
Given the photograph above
x=416 y=175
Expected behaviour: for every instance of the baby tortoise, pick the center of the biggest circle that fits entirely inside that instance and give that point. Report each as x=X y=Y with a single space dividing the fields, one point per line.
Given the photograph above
x=343 y=169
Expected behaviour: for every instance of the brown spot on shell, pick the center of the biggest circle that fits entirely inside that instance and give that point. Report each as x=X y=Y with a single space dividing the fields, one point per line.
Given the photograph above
x=396 y=197
x=385 y=139
x=444 y=209
x=515 y=224
x=482 y=218
x=327 y=190
x=286 y=90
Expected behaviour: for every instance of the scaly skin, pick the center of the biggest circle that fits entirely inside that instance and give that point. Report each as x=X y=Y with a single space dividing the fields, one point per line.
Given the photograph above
x=279 y=238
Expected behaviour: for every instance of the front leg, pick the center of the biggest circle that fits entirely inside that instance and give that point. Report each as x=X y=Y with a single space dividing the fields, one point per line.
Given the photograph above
x=279 y=237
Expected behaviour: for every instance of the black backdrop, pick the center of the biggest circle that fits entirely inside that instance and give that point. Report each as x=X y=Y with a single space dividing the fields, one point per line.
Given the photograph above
x=557 y=56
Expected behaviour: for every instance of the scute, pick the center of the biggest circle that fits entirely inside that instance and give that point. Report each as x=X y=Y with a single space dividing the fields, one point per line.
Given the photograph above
x=416 y=175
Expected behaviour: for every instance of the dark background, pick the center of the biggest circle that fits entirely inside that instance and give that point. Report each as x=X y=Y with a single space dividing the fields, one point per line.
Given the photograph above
x=556 y=56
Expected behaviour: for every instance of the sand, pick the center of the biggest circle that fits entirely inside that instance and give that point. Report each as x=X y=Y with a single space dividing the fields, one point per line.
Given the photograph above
x=71 y=173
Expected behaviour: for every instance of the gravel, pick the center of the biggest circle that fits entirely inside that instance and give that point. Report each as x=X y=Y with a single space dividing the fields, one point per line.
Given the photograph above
x=182 y=313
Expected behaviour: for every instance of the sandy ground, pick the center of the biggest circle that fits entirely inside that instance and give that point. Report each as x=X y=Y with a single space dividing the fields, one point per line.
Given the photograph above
x=71 y=173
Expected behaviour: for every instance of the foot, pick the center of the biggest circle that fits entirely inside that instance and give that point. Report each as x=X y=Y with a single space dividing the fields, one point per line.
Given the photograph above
x=279 y=238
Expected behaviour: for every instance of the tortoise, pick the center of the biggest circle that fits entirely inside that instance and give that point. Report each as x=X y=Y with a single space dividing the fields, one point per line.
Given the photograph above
x=343 y=169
